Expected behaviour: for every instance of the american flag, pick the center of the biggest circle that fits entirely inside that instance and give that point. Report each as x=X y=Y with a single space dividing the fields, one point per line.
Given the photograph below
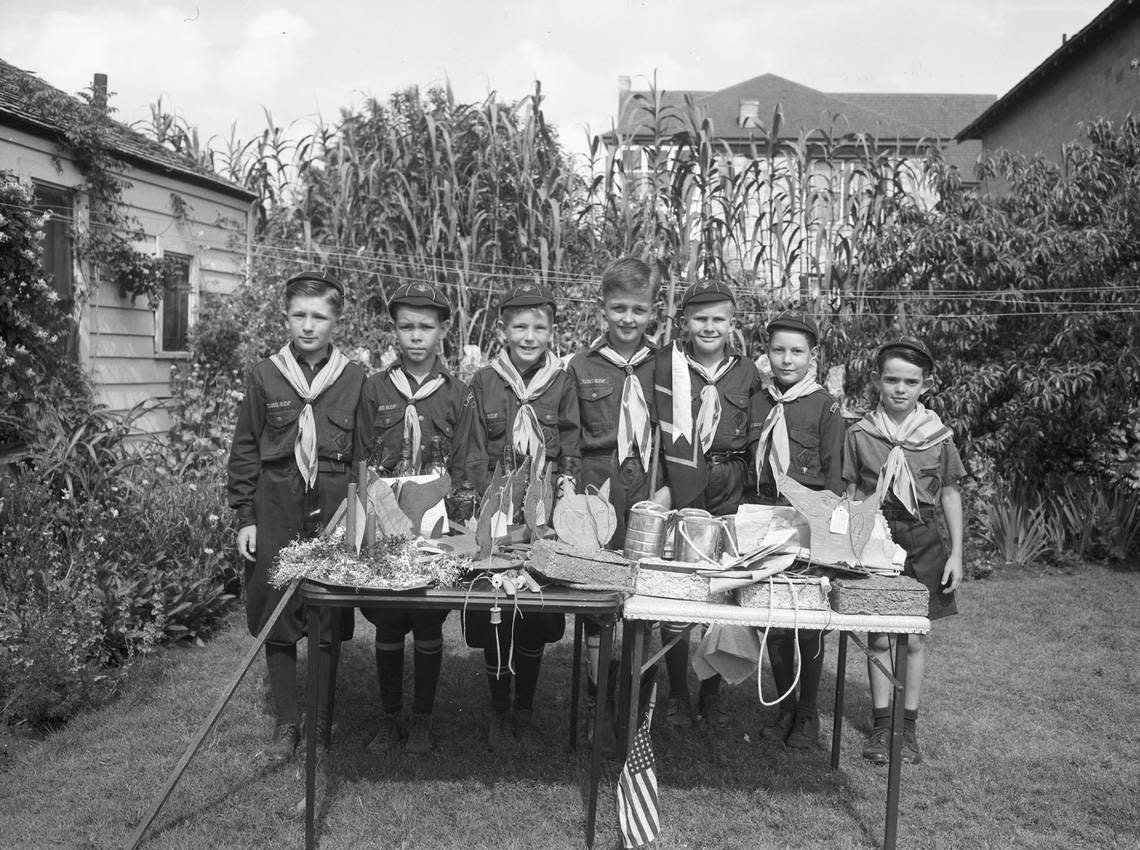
x=637 y=789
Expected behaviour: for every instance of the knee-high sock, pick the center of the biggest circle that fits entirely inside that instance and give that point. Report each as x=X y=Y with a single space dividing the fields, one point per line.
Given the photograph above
x=498 y=678
x=593 y=650
x=429 y=660
x=281 y=659
x=811 y=651
x=676 y=663
x=390 y=675
x=528 y=664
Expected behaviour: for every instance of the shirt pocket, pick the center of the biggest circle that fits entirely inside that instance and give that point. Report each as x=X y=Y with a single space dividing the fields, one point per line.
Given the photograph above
x=496 y=423
x=548 y=419
x=734 y=415
x=930 y=481
x=280 y=433
x=340 y=430
x=598 y=408
x=804 y=450
x=445 y=431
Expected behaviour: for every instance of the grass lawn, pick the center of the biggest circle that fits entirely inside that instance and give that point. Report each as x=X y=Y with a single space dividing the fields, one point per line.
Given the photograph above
x=1030 y=727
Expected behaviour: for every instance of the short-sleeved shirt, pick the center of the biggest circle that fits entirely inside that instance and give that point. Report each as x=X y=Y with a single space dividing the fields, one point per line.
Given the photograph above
x=865 y=453
x=488 y=423
x=599 y=384
x=380 y=417
x=815 y=439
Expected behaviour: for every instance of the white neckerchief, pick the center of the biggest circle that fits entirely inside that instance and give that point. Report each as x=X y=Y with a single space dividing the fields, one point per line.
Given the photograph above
x=776 y=427
x=708 y=414
x=527 y=433
x=413 y=434
x=305 y=449
x=634 y=432
x=921 y=430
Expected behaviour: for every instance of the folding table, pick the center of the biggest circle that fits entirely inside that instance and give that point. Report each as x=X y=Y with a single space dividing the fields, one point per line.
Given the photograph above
x=640 y=612
x=602 y=605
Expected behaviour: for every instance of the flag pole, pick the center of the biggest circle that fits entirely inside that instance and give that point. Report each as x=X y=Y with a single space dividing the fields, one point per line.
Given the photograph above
x=208 y=724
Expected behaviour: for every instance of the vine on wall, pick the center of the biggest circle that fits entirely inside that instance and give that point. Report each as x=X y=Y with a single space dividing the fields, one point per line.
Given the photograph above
x=87 y=137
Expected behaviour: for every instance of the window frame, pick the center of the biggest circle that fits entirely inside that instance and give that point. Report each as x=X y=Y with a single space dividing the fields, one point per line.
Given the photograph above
x=160 y=312
x=67 y=213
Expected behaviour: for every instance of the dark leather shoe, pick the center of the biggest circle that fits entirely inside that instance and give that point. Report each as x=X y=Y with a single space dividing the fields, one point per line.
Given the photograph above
x=284 y=743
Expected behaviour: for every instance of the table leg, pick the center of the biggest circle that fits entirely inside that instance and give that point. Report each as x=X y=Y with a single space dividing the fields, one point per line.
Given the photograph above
x=625 y=671
x=894 y=771
x=637 y=652
x=604 y=653
x=334 y=665
x=312 y=615
x=840 y=685
x=576 y=681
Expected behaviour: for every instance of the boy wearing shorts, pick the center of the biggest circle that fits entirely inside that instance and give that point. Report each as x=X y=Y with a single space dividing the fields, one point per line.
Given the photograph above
x=796 y=430
x=903 y=451
x=288 y=472
x=408 y=416
x=524 y=406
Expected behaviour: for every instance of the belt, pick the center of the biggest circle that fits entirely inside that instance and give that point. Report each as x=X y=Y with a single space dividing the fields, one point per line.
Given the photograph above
x=926 y=513
x=725 y=457
x=330 y=466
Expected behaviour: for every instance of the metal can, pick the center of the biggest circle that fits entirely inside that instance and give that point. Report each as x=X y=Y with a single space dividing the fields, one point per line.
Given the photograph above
x=698 y=536
x=645 y=531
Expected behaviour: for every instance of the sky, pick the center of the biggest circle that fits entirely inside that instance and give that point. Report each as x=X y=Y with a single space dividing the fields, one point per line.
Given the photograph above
x=221 y=63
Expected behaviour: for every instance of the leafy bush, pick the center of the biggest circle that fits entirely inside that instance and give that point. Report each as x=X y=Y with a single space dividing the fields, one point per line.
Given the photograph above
x=106 y=556
x=1017 y=528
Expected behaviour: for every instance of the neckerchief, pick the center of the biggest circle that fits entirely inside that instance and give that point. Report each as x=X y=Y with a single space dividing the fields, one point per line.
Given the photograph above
x=921 y=430
x=305 y=449
x=527 y=432
x=634 y=434
x=776 y=426
x=412 y=432
x=708 y=414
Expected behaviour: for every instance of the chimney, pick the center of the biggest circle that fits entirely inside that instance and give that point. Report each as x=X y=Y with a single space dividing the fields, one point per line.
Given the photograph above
x=749 y=113
x=99 y=92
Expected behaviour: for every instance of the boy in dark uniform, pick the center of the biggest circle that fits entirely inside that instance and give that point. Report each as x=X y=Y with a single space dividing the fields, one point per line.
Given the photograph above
x=524 y=406
x=903 y=451
x=795 y=430
x=407 y=417
x=288 y=472
x=702 y=393
x=613 y=377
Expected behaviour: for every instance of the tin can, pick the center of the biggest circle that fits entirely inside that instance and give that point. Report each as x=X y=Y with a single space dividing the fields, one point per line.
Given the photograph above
x=698 y=538
x=645 y=531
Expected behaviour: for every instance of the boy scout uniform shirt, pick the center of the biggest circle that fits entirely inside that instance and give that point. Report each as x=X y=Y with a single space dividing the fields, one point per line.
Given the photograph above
x=266 y=429
x=380 y=419
x=934 y=468
x=730 y=441
x=815 y=440
x=599 y=386
x=488 y=423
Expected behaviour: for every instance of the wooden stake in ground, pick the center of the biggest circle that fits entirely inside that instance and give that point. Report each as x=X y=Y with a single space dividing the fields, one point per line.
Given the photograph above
x=206 y=726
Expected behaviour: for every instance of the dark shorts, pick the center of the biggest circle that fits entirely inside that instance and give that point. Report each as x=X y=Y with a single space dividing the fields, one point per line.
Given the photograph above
x=393 y=624
x=925 y=560
x=725 y=487
x=532 y=631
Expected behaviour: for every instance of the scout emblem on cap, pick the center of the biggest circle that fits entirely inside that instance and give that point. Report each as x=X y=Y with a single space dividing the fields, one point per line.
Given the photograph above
x=419 y=287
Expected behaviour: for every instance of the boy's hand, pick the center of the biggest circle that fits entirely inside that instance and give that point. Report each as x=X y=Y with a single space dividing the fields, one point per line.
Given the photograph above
x=952 y=573
x=247 y=542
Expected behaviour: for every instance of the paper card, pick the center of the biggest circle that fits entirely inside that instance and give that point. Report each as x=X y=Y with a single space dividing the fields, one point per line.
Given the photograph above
x=840 y=519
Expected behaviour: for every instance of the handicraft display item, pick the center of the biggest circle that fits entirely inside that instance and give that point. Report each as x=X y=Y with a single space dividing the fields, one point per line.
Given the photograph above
x=586 y=520
x=900 y=596
x=598 y=569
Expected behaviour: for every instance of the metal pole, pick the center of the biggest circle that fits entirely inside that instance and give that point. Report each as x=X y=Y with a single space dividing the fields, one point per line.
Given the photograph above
x=206 y=726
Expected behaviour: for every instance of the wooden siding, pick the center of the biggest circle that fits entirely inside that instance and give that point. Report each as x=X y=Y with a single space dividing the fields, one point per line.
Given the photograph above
x=118 y=342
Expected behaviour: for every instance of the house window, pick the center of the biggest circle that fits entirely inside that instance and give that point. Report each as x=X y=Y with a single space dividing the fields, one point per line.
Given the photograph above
x=174 y=313
x=57 y=261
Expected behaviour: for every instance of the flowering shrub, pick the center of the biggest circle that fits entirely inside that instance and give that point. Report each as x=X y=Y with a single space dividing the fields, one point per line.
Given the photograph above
x=34 y=378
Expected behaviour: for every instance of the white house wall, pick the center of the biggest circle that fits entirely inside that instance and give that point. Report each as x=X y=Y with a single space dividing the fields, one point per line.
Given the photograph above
x=117 y=338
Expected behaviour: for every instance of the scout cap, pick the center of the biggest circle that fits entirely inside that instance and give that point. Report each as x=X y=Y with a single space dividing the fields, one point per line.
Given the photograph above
x=420 y=295
x=706 y=291
x=316 y=277
x=528 y=295
x=790 y=320
x=907 y=342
